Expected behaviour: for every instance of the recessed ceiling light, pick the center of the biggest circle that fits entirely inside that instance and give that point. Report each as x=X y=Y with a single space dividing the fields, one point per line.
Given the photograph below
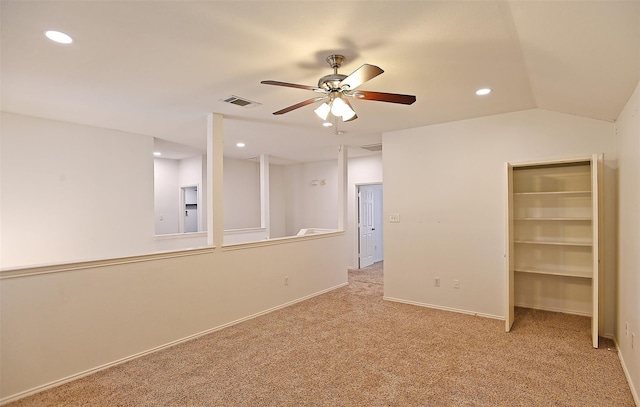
x=483 y=91
x=327 y=124
x=157 y=153
x=240 y=145
x=59 y=37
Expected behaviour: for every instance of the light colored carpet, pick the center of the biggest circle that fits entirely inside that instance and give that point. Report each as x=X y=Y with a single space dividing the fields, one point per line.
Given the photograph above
x=349 y=347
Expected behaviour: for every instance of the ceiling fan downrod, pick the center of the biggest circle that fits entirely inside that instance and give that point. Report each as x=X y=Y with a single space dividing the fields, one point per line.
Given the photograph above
x=335 y=61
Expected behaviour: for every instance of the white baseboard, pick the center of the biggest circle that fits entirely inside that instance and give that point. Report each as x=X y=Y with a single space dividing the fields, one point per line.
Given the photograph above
x=634 y=391
x=460 y=311
x=88 y=372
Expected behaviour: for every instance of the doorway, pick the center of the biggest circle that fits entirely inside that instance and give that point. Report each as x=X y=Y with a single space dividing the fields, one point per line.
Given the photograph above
x=370 y=225
x=189 y=209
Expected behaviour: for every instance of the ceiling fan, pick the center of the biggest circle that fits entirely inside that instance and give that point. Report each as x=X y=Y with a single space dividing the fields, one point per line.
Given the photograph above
x=337 y=88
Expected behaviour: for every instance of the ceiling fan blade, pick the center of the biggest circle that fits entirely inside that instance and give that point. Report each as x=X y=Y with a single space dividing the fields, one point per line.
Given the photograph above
x=361 y=75
x=384 y=97
x=293 y=85
x=299 y=105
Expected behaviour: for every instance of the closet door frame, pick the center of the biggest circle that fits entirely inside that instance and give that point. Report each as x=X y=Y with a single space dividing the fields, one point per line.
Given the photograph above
x=596 y=167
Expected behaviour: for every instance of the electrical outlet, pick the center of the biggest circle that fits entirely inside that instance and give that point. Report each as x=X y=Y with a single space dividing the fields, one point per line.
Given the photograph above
x=436 y=281
x=286 y=280
x=394 y=218
x=456 y=283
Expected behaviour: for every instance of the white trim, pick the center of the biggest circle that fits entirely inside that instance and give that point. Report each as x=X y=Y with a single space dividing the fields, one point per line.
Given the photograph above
x=280 y=240
x=459 y=311
x=76 y=376
x=180 y=235
x=25 y=271
x=245 y=230
x=62 y=267
x=313 y=231
x=634 y=392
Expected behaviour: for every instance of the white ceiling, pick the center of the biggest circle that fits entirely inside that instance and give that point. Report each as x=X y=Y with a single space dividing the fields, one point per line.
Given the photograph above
x=158 y=67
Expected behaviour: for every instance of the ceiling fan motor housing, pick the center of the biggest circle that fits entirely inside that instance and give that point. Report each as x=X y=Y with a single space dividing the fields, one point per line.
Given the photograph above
x=331 y=82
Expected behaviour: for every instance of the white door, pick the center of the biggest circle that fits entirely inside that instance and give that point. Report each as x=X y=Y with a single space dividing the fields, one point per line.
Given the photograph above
x=366 y=227
x=190 y=220
x=189 y=203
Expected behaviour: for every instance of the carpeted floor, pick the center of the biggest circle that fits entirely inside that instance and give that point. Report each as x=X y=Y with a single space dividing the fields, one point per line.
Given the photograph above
x=350 y=348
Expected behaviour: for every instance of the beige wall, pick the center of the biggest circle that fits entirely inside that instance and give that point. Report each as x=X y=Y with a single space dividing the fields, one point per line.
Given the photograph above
x=70 y=191
x=628 y=299
x=448 y=183
x=62 y=321
x=55 y=326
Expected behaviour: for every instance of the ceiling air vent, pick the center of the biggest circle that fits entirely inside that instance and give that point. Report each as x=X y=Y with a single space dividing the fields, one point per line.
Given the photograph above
x=238 y=101
x=373 y=147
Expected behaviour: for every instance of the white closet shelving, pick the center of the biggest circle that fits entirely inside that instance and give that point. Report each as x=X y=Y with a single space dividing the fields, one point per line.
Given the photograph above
x=553 y=237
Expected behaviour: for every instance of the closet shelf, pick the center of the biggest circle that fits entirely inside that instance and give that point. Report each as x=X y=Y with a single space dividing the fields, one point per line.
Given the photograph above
x=555 y=219
x=554 y=193
x=555 y=243
x=556 y=272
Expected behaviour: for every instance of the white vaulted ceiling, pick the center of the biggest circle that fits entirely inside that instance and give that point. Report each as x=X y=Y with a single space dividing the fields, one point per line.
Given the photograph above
x=158 y=67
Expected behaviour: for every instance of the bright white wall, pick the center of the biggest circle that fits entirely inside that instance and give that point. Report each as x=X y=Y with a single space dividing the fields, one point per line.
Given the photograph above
x=448 y=183
x=628 y=300
x=165 y=196
x=311 y=206
x=57 y=181
x=241 y=194
x=190 y=170
x=362 y=170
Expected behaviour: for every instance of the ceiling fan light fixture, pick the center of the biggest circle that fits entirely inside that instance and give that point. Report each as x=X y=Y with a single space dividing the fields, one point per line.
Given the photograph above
x=347 y=113
x=323 y=111
x=338 y=107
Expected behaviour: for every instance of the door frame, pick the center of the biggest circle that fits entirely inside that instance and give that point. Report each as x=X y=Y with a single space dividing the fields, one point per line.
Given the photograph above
x=357 y=219
x=182 y=206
